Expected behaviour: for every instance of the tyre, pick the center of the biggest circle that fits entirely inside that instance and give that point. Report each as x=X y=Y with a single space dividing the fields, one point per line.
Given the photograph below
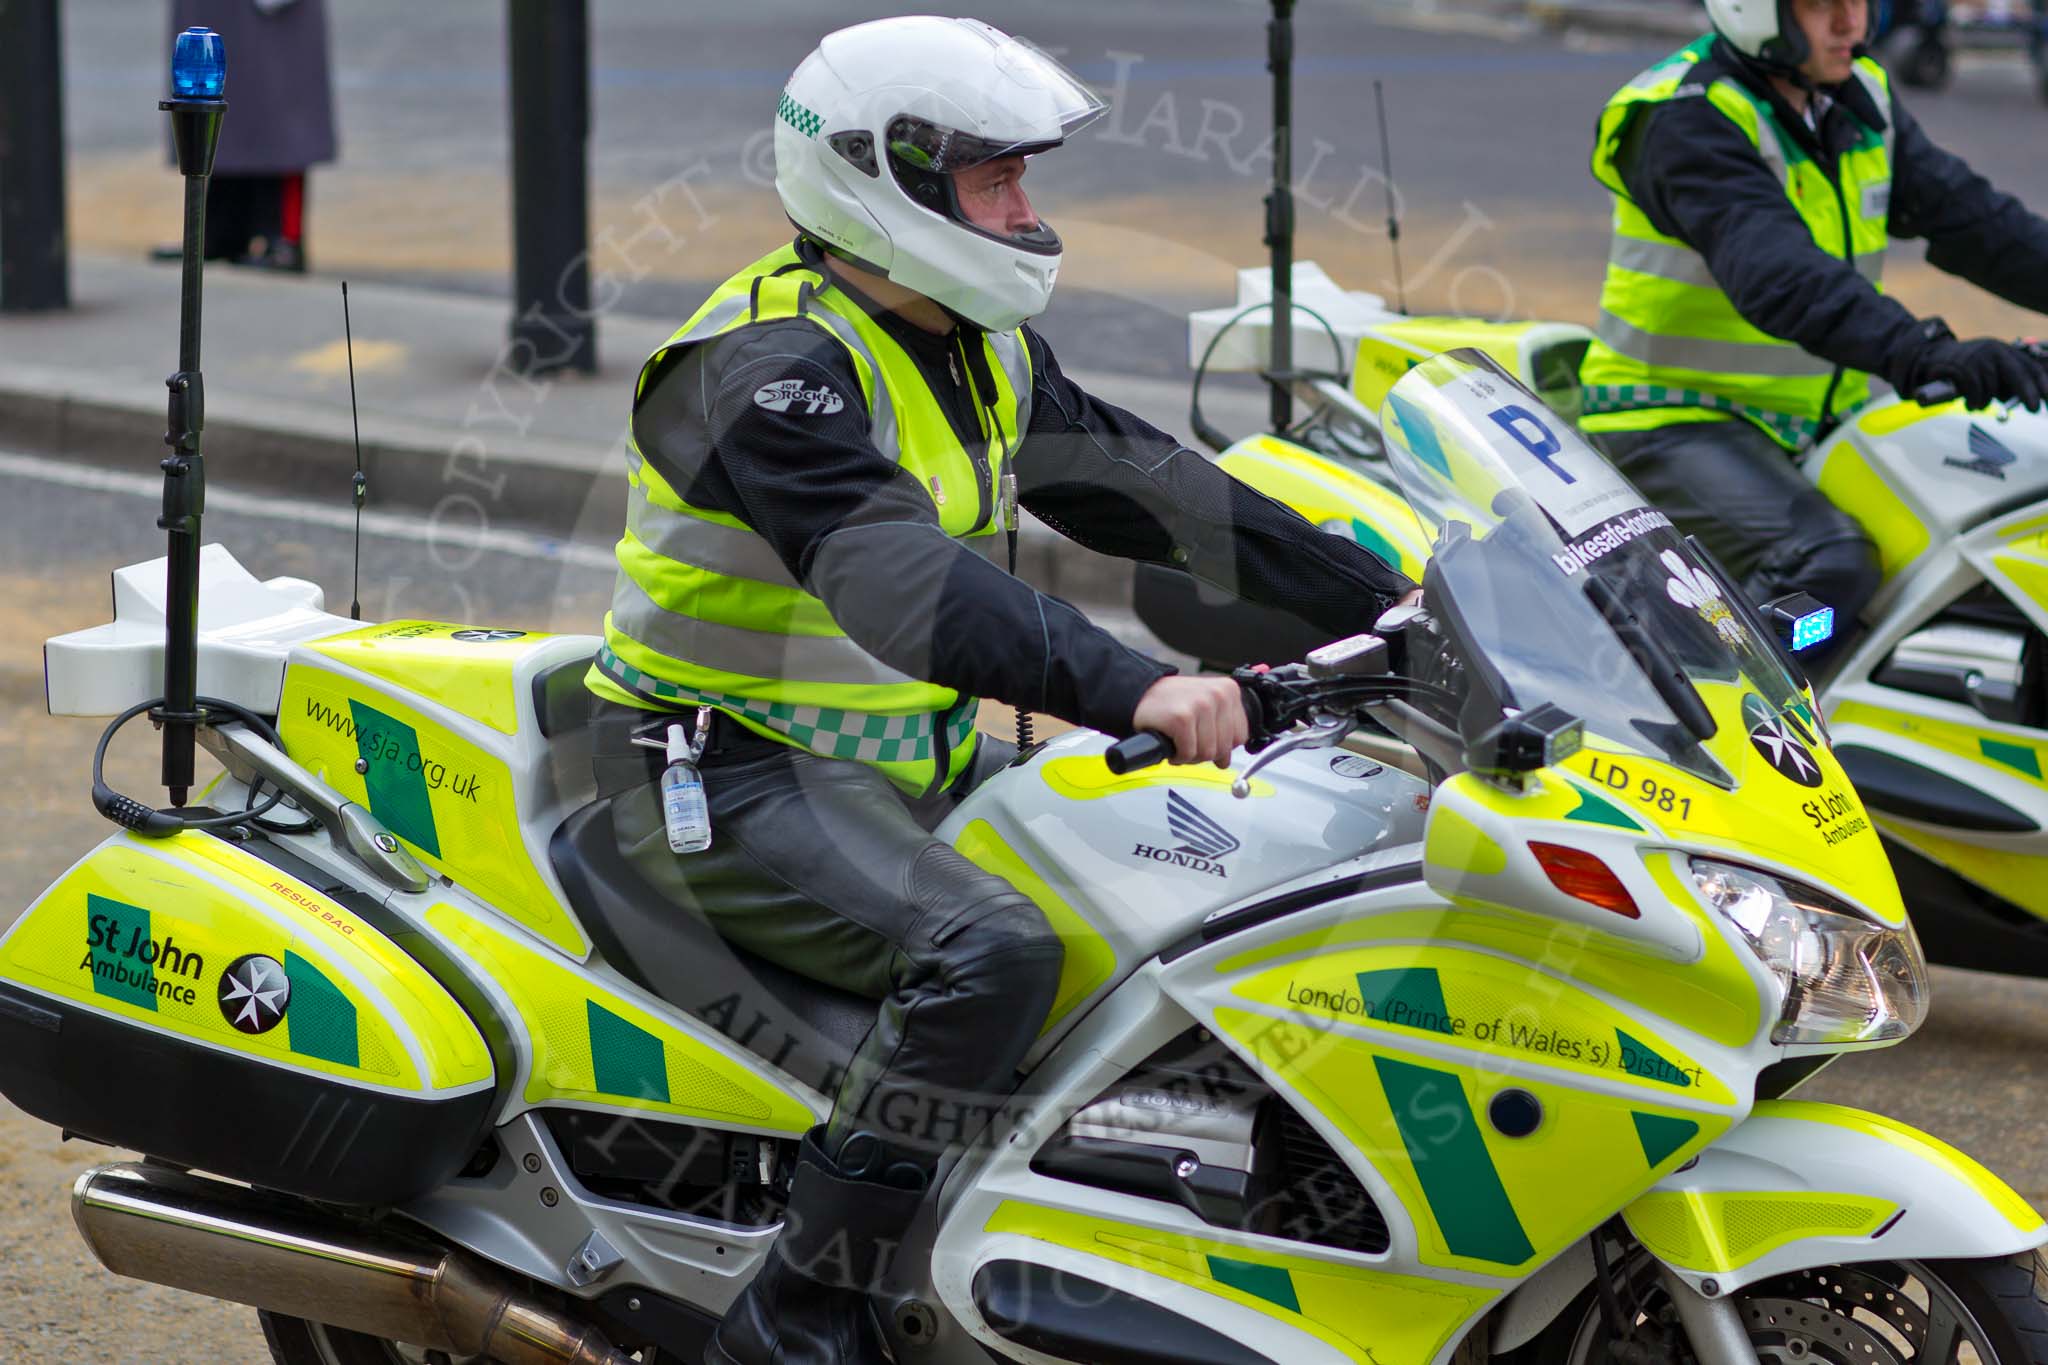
x=1926 y=67
x=1989 y=1312
x=294 y=1341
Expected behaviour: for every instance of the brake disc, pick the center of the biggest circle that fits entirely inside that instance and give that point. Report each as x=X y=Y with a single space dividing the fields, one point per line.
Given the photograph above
x=1796 y=1332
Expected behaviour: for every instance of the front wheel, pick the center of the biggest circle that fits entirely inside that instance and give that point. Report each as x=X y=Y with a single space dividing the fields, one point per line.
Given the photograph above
x=1988 y=1312
x=1926 y=67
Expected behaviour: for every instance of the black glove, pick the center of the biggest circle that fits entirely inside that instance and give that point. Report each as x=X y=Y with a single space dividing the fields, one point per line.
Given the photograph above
x=1982 y=372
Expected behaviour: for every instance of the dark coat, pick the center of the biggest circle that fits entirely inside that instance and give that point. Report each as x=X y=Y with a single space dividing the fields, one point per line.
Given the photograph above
x=280 y=99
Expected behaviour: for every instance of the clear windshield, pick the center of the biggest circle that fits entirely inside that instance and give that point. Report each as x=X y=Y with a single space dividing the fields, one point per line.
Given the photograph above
x=1572 y=588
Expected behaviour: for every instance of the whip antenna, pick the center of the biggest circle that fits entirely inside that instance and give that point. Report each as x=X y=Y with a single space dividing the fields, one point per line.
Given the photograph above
x=362 y=485
x=1379 y=100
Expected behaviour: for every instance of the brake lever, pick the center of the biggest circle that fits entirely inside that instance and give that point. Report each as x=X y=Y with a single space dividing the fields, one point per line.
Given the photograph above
x=1322 y=733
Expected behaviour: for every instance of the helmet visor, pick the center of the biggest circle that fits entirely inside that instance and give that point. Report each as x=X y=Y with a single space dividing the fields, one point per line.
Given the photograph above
x=1034 y=104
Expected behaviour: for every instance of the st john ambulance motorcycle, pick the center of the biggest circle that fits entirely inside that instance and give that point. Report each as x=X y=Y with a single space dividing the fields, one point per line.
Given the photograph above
x=1365 y=1068
x=1941 y=712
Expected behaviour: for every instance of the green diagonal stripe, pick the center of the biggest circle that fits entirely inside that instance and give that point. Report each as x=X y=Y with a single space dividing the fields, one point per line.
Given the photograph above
x=625 y=1058
x=1662 y=1136
x=1269 y=1282
x=395 y=778
x=1410 y=996
x=1638 y=1058
x=319 y=1021
x=1458 y=1178
x=1598 y=810
x=1370 y=537
x=118 y=977
x=2018 y=757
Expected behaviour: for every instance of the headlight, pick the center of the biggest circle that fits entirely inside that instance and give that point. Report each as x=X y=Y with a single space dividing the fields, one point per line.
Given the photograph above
x=1847 y=979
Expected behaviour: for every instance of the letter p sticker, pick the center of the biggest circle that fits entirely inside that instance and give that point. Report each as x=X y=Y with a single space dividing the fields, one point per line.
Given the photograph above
x=1516 y=421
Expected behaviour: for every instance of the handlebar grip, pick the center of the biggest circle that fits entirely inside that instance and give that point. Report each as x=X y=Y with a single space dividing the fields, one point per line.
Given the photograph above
x=1935 y=394
x=1141 y=750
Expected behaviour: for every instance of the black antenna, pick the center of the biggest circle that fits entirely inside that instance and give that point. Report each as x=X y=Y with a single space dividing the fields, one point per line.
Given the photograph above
x=1280 y=213
x=362 y=485
x=1379 y=100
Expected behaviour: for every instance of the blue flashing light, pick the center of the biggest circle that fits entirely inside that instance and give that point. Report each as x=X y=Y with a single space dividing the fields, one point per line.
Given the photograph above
x=1814 y=628
x=199 y=65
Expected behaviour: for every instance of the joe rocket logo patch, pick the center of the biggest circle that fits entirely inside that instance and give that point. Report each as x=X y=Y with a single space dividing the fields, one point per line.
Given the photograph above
x=1781 y=748
x=792 y=395
x=254 y=992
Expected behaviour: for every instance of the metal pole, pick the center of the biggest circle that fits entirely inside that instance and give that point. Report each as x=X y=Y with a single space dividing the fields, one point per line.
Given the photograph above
x=35 y=271
x=552 y=325
x=1280 y=210
x=195 y=130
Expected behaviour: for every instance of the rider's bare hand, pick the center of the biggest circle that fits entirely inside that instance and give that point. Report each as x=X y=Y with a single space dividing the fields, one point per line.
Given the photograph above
x=1204 y=717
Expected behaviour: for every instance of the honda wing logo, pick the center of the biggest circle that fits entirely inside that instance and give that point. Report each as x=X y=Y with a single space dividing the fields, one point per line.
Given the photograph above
x=1202 y=843
x=1988 y=455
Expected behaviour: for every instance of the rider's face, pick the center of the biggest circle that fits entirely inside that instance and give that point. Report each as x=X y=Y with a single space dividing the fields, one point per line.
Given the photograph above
x=992 y=198
x=1833 y=28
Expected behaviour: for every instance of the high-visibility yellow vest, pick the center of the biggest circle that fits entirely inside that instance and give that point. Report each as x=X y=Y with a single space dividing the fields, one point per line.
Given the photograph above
x=704 y=612
x=1670 y=345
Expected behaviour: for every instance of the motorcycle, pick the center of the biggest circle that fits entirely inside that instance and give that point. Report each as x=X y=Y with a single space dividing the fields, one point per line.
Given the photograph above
x=1346 y=1064
x=1940 y=711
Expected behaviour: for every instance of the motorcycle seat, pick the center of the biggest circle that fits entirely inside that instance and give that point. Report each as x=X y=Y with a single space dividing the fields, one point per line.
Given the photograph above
x=561 y=701
x=807 y=1028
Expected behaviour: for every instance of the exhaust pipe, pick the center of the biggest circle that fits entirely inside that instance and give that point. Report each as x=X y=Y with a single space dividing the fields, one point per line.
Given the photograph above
x=284 y=1256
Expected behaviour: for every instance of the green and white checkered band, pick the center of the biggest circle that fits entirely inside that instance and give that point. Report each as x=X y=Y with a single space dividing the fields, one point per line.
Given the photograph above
x=798 y=117
x=1601 y=398
x=821 y=729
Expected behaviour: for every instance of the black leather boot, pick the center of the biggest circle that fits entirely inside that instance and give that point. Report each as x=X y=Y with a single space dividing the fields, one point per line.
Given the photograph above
x=809 y=1304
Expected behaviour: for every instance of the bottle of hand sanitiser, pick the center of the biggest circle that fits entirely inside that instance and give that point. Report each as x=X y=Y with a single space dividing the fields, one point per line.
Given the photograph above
x=683 y=808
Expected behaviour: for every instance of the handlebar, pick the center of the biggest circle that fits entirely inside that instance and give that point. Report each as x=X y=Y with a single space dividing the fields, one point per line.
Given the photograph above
x=1141 y=750
x=1941 y=391
x=1279 y=699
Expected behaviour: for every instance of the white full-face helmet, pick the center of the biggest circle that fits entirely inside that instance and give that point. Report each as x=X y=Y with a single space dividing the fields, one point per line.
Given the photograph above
x=872 y=128
x=1766 y=31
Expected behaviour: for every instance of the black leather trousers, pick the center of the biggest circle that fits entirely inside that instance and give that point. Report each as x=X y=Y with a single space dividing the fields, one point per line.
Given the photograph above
x=823 y=867
x=1739 y=492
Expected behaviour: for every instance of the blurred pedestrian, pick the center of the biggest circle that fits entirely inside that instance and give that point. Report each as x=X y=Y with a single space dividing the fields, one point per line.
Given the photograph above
x=280 y=123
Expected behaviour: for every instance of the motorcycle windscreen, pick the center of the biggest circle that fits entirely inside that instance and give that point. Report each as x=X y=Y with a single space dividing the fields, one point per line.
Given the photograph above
x=1567 y=585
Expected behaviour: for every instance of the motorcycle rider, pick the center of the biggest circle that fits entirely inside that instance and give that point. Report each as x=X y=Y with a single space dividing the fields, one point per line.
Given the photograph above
x=1756 y=175
x=811 y=454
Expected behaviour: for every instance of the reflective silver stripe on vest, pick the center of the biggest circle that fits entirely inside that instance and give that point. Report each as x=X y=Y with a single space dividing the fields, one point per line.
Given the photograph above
x=1683 y=265
x=729 y=550
x=881 y=411
x=1009 y=349
x=1882 y=98
x=1778 y=359
x=1676 y=263
x=830 y=659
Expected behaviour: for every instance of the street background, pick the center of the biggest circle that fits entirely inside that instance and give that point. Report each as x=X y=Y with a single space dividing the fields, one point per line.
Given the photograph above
x=493 y=497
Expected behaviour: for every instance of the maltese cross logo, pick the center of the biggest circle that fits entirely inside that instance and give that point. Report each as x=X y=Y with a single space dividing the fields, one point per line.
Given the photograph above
x=1781 y=748
x=254 y=991
x=1693 y=587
